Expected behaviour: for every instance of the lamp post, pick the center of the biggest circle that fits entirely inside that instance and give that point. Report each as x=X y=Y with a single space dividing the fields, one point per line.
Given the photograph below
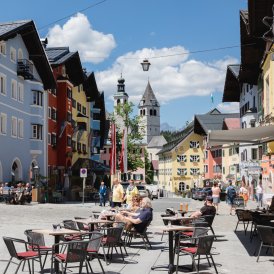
x=145 y=65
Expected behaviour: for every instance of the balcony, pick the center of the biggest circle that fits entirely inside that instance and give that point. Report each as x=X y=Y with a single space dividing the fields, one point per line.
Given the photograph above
x=25 y=68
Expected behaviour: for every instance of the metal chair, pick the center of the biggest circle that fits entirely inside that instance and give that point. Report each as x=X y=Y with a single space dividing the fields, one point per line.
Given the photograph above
x=209 y=220
x=266 y=234
x=13 y=246
x=37 y=239
x=93 y=248
x=75 y=252
x=203 y=248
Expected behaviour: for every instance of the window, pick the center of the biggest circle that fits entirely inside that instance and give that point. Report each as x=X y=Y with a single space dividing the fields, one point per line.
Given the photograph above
x=205 y=168
x=182 y=171
x=217 y=168
x=3 y=86
x=53 y=114
x=53 y=139
x=14 y=89
x=49 y=112
x=181 y=158
x=84 y=111
x=53 y=91
x=182 y=186
x=150 y=112
x=37 y=131
x=13 y=126
x=254 y=153
x=69 y=117
x=223 y=170
x=155 y=112
x=84 y=148
x=69 y=93
x=79 y=147
x=194 y=171
x=194 y=158
x=73 y=103
x=49 y=138
x=20 y=92
x=79 y=107
x=37 y=98
x=206 y=154
x=3 y=123
x=73 y=144
x=20 y=128
x=3 y=48
x=194 y=144
x=20 y=54
x=69 y=141
x=13 y=54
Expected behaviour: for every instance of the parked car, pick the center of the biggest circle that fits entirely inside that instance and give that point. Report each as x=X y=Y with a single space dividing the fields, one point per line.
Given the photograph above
x=144 y=192
x=203 y=193
x=195 y=193
x=154 y=189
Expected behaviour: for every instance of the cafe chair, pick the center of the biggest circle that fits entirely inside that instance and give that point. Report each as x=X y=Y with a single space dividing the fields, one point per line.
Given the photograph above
x=80 y=225
x=133 y=233
x=37 y=240
x=18 y=249
x=209 y=220
x=111 y=240
x=266 y=234
x=75 y=253
x=244 y=217
x=93 y=249
x=203 y=248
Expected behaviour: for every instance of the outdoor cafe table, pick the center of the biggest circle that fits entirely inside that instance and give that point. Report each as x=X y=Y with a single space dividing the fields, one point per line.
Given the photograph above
x=171 y=229
x=57 y=233
x=92 y=222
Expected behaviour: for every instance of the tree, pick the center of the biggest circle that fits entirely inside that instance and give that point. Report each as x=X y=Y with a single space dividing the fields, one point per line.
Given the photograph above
x=134 y=136
x=148 y=169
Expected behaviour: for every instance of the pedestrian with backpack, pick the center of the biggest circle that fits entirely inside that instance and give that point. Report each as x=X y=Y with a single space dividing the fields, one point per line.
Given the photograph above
x=230 y=196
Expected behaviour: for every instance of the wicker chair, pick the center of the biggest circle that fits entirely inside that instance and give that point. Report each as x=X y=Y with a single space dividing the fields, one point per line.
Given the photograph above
x=23 y=256
x=244 y=217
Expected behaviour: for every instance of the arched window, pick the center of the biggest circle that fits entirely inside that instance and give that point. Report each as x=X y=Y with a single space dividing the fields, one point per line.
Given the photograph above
x=118 y=101
x=141 y=113
x=182 y=186
x=150 y=112
x=144 y=112
x=125 y=101
x=154 y=112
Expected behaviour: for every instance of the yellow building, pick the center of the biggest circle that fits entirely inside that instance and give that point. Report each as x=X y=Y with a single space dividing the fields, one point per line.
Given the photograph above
x=81 y=121
x=181 y=161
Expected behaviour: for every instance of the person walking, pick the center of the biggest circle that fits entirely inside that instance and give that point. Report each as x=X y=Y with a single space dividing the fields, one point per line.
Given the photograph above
x=216 y=191
x=117 y=193
x=230 y=196
x=103 y=194
x=243 y=192
x=259 y=194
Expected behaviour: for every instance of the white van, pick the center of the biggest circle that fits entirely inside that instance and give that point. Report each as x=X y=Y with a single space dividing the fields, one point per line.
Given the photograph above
x=154 y=190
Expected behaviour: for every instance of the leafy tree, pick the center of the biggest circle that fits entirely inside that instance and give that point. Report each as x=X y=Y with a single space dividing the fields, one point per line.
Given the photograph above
x=123 y=117
x=148 y=169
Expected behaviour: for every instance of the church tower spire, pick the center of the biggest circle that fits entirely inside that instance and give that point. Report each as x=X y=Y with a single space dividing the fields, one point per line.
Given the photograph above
x=149 y=110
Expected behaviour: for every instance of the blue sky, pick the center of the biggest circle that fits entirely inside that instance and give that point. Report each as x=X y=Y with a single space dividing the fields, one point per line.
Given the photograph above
x=114 y=36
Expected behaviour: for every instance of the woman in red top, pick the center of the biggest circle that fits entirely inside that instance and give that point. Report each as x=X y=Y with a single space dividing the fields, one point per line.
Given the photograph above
x=216 y=191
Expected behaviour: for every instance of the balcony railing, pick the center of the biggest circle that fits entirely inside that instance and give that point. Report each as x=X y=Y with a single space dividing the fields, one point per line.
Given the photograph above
x=25 y=68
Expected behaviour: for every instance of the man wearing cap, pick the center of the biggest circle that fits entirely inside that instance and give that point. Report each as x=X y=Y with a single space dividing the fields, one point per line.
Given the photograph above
x=207 y=209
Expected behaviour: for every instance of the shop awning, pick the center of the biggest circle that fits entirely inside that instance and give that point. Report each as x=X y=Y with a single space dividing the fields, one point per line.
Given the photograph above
x=254 y=135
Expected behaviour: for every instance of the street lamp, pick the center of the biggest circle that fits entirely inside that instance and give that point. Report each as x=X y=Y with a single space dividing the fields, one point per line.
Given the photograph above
x=145 y=65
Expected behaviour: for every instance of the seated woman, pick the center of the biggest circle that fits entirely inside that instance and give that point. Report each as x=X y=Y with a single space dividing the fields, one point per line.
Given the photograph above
x=136 y=202
x=140 y=219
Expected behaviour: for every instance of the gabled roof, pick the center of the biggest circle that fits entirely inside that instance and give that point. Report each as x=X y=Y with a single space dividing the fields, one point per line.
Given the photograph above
x=177 y=138
x=62 y=56
x=232 y=88
x=149 y=98
x=157 y=141
x=90 y=87
x=211 y=121
x=36 y=51
x=231 y=123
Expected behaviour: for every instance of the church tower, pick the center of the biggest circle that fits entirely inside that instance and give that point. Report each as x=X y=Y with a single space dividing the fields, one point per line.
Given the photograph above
x=149 y=111
x=120 y=98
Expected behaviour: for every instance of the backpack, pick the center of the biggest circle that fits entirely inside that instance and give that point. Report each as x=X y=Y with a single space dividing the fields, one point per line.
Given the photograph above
x=231 y=192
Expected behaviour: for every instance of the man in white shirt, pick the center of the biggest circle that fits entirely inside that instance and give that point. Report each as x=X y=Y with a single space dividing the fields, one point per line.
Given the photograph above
x=259 y=194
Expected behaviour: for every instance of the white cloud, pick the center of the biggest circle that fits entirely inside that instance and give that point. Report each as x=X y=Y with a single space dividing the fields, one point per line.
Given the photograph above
x=173 y=76
x=77 y=33
x=228 y=107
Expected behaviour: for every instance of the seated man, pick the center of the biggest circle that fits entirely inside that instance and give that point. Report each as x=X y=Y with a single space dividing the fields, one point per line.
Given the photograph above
x=207 y=209
x=139 y=219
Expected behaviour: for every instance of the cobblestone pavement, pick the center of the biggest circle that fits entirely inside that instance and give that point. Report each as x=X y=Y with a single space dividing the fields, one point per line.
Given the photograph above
x=234 y=252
